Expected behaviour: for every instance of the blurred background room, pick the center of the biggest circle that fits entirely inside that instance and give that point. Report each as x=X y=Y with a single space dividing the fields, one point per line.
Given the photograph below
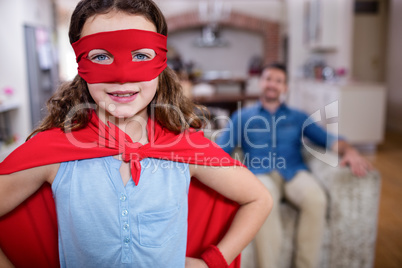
x=345 y=52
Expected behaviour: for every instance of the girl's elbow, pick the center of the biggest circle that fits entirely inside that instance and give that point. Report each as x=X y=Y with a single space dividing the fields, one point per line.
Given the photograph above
x=6 y=204
x=4 y=209
x=267 y=201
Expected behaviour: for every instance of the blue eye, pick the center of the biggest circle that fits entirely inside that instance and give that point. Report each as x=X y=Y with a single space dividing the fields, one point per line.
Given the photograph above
x=144 y=54
x=101 y=57
x=140 y=57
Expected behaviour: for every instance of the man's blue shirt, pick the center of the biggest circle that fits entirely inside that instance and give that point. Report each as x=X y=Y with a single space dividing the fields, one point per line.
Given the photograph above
x=272 y=141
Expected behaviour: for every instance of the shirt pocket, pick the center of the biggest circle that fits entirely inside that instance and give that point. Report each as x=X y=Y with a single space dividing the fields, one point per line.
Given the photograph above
x=157 y=228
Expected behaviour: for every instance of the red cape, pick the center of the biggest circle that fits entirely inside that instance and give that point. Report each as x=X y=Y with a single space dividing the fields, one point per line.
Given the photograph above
x=28 y=234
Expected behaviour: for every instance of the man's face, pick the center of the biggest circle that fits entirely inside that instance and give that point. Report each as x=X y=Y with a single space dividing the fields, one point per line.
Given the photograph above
x=272 y=84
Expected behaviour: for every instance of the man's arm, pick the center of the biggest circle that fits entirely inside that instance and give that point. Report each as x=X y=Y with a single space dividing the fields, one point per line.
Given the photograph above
x=350 y=156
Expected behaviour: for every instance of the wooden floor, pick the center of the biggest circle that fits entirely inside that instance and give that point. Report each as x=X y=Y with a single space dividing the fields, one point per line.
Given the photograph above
x=388 y=160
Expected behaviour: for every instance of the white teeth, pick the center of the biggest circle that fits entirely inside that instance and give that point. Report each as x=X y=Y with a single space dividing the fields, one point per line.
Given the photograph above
x=123 y=95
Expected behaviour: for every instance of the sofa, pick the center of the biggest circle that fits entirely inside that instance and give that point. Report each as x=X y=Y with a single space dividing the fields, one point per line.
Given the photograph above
x=351 y=226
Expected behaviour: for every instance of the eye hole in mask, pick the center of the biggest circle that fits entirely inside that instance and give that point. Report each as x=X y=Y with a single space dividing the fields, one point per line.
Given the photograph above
x=144 y=54
x=100 y=56
x=104 y=57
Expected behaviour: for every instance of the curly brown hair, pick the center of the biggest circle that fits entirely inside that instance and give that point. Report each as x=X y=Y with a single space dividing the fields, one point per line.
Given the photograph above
x=75 y=93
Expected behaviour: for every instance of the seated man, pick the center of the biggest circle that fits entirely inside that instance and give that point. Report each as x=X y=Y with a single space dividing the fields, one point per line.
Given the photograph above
x=270 y=135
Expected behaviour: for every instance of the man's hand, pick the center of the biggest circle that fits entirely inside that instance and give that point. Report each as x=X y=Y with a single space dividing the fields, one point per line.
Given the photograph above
x=357 y=163
x=352 y=158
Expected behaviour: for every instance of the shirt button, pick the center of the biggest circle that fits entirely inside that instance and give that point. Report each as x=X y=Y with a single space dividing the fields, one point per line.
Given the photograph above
x=126 y=240
x=123 y=198
x=125 y=226
x=124 y=212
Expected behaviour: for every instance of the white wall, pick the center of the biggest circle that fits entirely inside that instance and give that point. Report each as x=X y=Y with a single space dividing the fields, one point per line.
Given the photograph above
x=68 y=65
x=13 y=70
x=265 y=9
x=369 y=45
x=299 y=51
x=243 y=45
x=394 y=66
x=235 y=57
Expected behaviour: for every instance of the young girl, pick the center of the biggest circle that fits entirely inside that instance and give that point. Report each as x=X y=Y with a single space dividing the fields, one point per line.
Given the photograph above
x=125 y=94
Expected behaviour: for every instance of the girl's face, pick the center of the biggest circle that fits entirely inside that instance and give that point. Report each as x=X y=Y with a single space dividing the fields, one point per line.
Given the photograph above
x=121 y=100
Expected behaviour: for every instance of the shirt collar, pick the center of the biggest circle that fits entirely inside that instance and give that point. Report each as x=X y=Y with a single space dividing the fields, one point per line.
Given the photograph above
x=282 y=108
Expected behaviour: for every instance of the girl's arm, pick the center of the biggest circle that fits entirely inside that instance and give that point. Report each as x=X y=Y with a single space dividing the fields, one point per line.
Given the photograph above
x=18 y=186
x=240 y=185
x=4 y=261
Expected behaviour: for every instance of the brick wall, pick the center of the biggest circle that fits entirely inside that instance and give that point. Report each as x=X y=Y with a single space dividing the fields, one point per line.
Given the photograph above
x=268 y=29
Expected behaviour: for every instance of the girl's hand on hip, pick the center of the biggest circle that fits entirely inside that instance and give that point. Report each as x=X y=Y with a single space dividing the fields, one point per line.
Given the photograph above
x=195 y=263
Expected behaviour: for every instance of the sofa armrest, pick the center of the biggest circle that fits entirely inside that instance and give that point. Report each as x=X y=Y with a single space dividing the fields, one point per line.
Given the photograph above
x=352 y=214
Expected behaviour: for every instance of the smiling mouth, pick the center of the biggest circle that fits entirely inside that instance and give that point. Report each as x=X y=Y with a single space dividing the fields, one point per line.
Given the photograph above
x=122 y=95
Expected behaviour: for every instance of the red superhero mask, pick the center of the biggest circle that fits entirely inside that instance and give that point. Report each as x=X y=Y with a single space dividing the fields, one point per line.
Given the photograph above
x=120 y=45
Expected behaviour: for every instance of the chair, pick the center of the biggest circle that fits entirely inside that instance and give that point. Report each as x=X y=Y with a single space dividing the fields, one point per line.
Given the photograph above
x=351 y=227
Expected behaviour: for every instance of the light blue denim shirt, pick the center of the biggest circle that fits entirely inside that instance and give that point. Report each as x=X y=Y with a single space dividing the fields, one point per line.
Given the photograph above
x=272 y=141
x=103 y=223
